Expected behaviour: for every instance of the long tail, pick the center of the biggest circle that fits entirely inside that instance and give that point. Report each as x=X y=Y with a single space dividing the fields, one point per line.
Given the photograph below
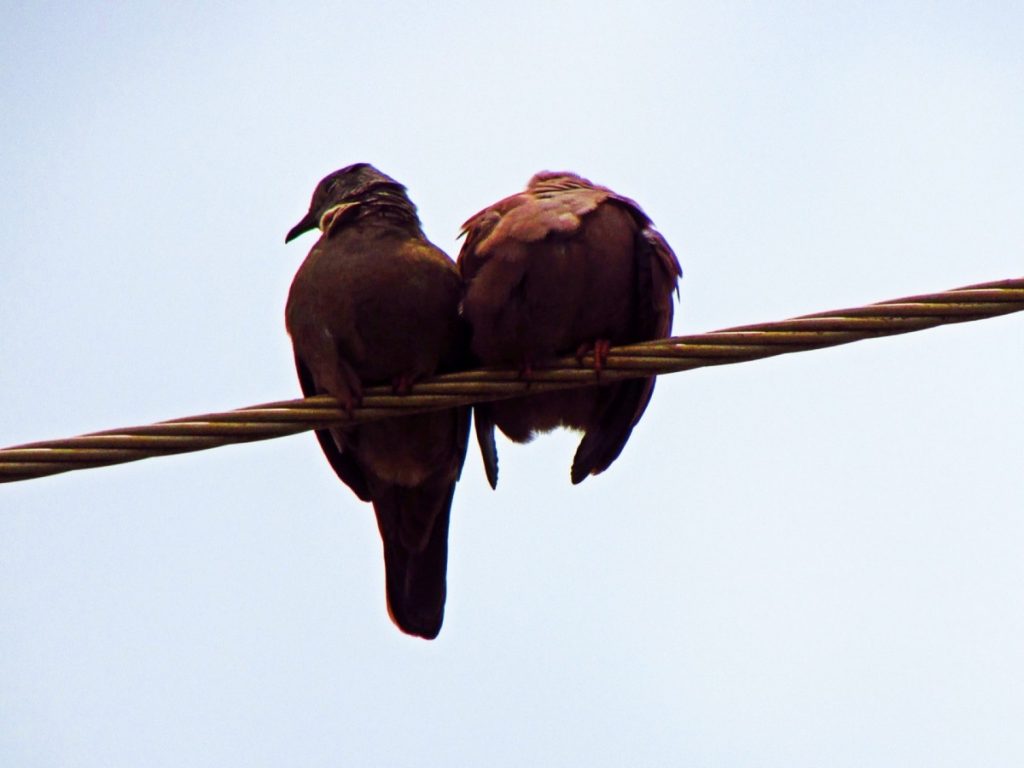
x=413 y=526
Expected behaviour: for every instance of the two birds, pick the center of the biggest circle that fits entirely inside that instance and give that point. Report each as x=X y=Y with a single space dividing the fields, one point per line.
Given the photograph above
x=564 y=267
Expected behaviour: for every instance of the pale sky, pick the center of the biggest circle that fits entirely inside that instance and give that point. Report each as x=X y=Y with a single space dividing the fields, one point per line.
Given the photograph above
x=812 y=560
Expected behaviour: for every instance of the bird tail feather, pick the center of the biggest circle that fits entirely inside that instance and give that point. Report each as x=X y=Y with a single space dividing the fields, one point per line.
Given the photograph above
x=415 y=554
x=618 y=411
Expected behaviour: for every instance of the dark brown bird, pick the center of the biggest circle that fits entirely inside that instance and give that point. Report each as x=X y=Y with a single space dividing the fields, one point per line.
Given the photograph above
x=375 y=302
x=565 y=267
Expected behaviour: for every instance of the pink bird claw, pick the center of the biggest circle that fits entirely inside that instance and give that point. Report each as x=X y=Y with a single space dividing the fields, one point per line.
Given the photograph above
x=402 y=385
x=349 y=403
x=599 y=349
x=526 y=372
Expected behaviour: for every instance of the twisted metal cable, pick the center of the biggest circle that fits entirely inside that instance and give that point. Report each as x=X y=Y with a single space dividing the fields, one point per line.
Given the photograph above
x=679 y=353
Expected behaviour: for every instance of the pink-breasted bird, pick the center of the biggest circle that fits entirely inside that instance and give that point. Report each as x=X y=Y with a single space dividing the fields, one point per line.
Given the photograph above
x=565 y=267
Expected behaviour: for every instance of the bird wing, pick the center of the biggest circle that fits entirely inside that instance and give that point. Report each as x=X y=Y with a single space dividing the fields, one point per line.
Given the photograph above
x=343 y=464
x=621 y=406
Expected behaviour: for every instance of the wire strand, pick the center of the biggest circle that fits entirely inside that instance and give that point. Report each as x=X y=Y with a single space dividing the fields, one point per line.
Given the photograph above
x=679 y=353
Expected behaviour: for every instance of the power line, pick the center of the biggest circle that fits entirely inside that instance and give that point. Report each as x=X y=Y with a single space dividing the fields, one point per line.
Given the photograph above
x=679 y=353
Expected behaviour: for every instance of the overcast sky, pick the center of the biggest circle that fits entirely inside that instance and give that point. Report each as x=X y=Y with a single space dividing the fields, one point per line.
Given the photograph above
x=812 y=560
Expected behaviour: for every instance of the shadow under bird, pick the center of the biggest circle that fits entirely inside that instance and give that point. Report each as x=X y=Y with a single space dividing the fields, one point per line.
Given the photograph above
x=565 y=267
x=375 y=302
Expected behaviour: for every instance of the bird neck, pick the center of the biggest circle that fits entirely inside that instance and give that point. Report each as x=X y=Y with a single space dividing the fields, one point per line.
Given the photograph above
x=388 y=206
x=377 y=209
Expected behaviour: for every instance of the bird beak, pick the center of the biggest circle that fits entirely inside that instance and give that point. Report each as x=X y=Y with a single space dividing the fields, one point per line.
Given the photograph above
x=309 y=221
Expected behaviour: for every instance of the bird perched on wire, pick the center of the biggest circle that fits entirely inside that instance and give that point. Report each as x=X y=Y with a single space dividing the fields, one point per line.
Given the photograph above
x=565 y=267
x=376 y=302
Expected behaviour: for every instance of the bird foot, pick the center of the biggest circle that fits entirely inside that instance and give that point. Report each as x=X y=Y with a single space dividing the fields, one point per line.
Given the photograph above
x=345 y=386
x=350 y=402
x=402 y=385
x=526 y=372
x=599 y=349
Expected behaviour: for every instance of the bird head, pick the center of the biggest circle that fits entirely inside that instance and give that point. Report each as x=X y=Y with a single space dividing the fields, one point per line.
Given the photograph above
x=350 y=185
x=549 y=181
